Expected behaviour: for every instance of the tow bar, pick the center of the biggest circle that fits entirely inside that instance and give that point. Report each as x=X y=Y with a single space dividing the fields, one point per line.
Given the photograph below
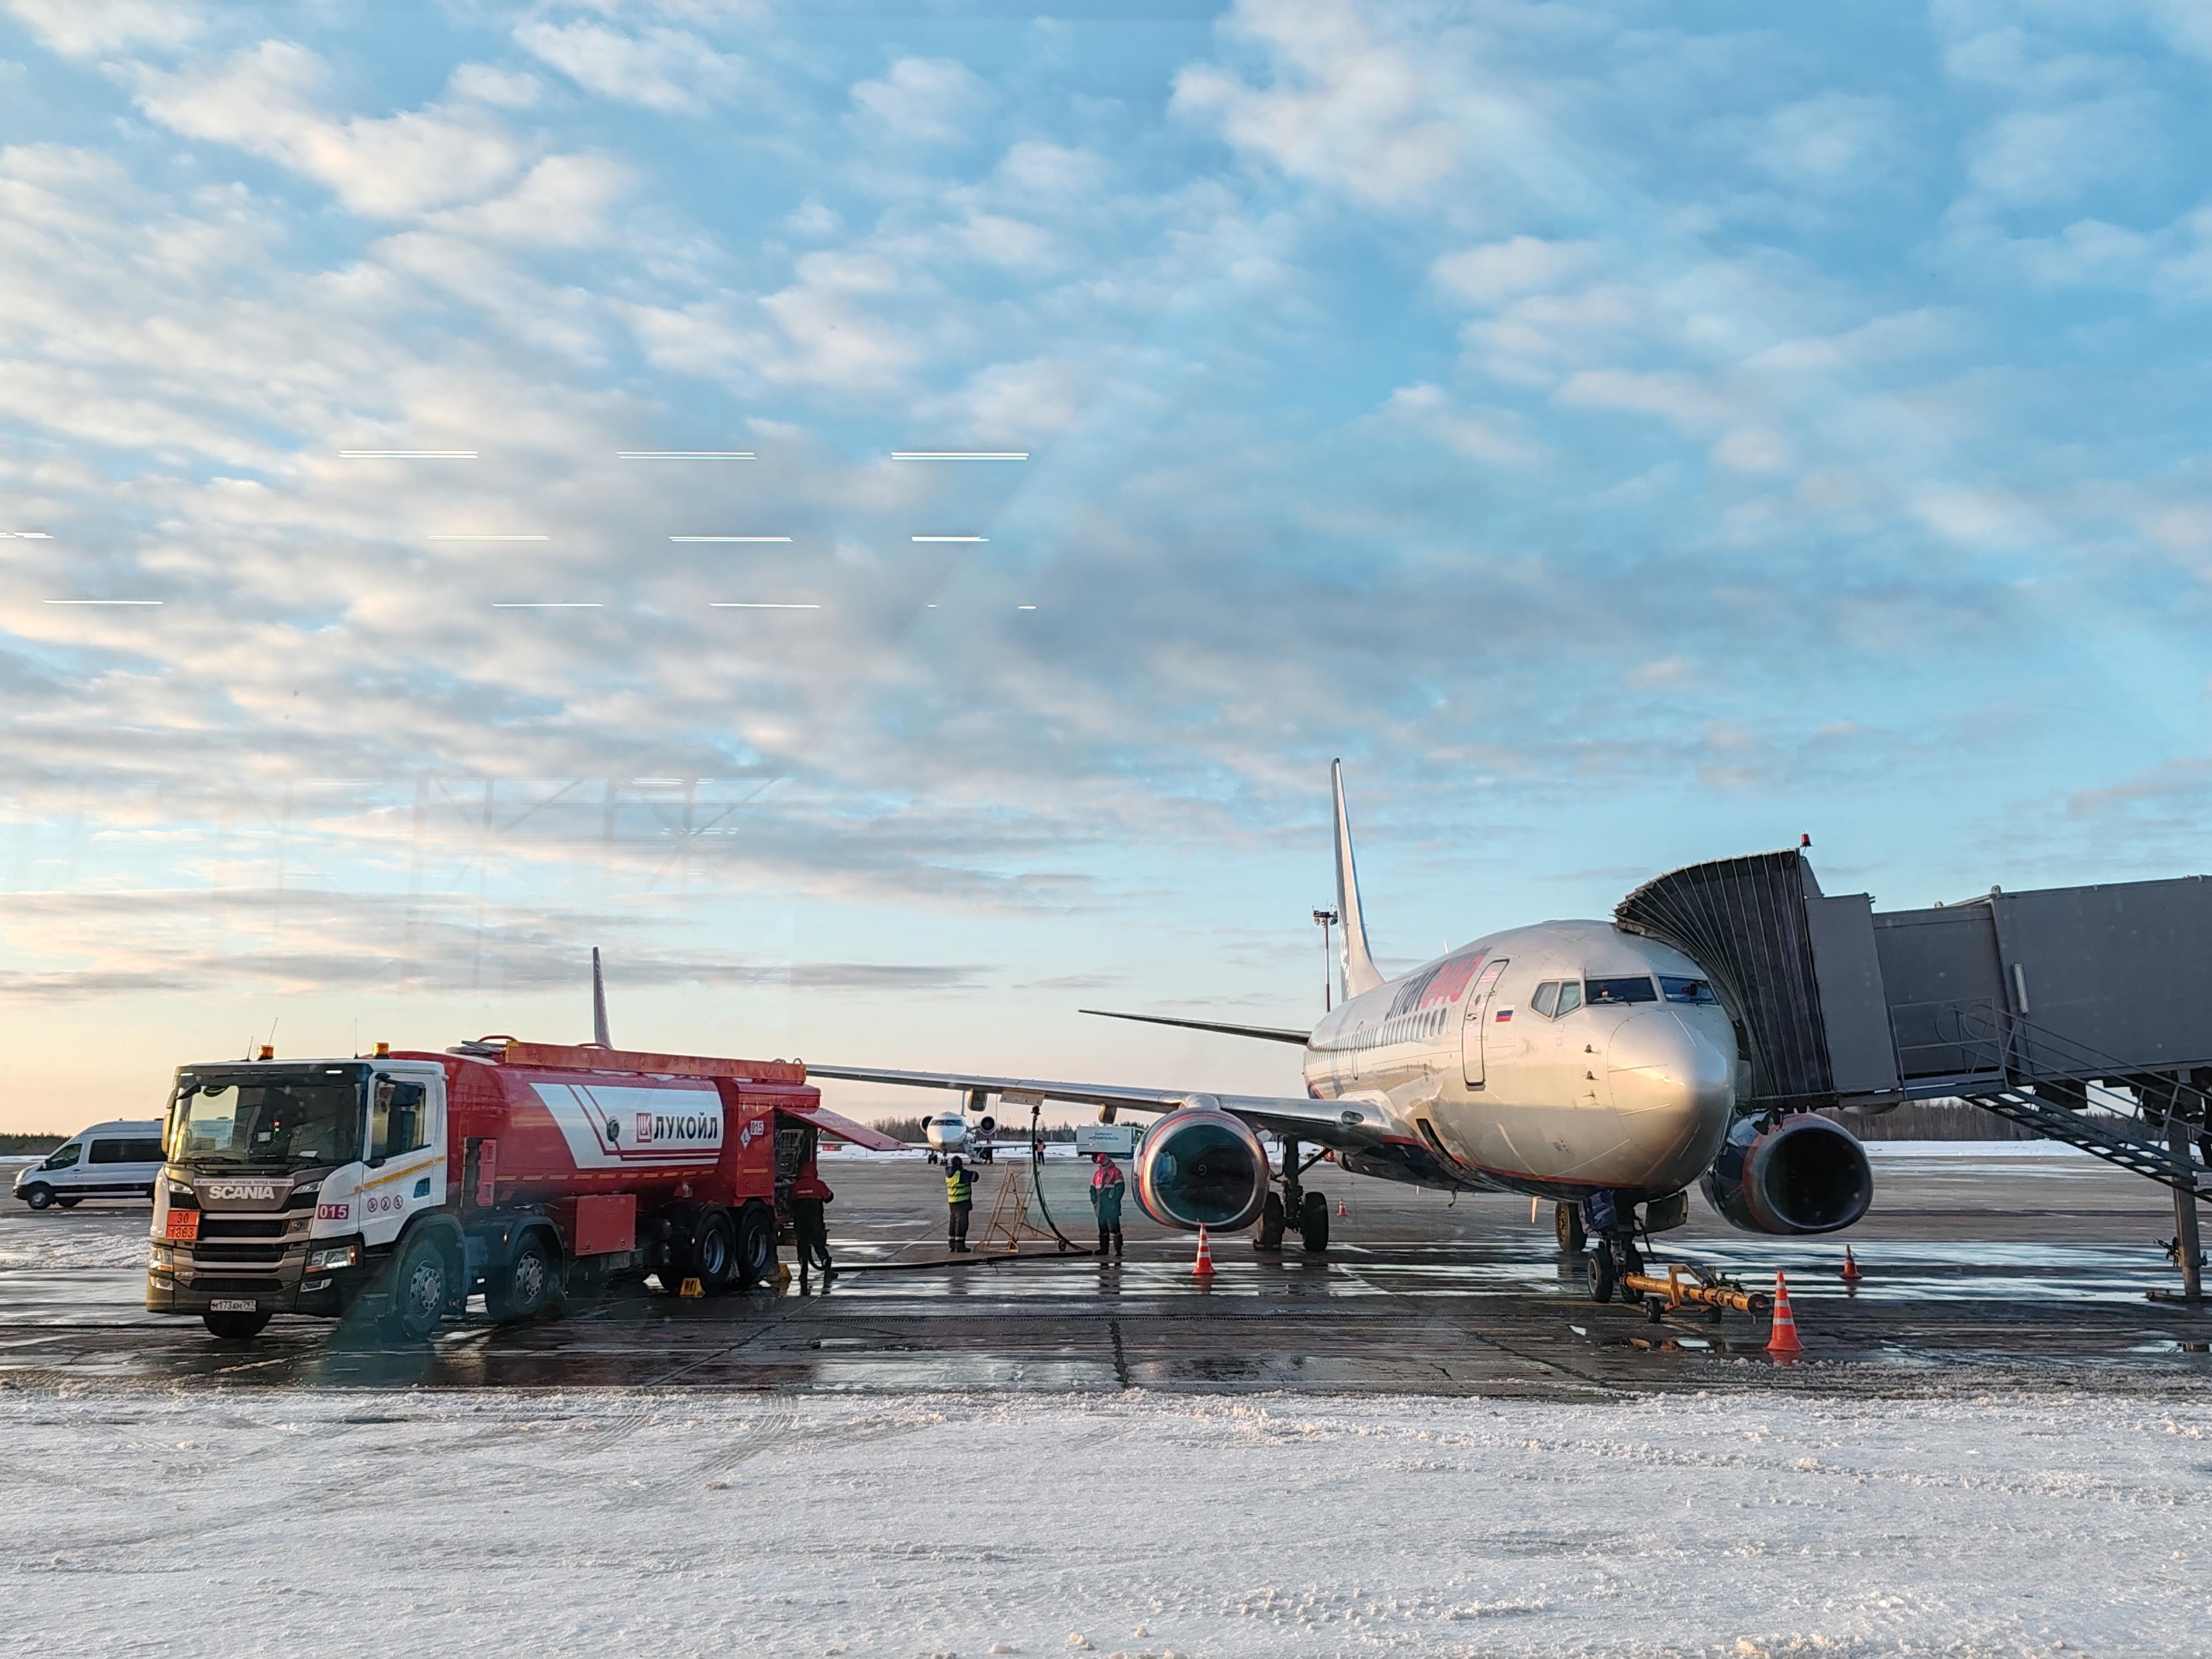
x=1686 y=1285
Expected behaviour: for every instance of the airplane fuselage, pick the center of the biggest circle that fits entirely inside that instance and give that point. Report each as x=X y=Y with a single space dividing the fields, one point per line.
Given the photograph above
x=1477 y=1059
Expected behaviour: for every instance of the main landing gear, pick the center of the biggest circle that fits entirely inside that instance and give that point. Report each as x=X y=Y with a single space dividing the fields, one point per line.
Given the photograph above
x=1294 y=1202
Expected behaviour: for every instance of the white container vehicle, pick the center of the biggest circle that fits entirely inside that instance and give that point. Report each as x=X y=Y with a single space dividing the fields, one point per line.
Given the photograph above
x=109 y=1160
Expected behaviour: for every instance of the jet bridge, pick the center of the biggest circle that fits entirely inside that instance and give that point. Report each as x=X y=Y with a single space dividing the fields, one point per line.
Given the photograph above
x=2082 y=1013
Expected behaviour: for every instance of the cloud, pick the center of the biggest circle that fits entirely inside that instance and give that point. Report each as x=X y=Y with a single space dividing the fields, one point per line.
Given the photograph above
x=562 y=201
x=214 y=944
x=1683 y=399
x=926 y=100
x=486 y=84
x=1834 y=139
x=672 y=70
x=91 y=28
x=1383 y=122
x=268 y=101
x=1489 y=436
x=1504 y=271
x=2035 y=157
x=1752 y=449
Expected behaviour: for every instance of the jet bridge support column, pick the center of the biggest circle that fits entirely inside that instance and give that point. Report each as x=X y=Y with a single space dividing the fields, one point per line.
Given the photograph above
x=2177 y=1141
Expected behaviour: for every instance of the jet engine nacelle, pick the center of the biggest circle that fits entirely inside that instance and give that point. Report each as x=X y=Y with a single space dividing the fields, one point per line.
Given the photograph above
x=1201 y=1166
x=1805 y=1175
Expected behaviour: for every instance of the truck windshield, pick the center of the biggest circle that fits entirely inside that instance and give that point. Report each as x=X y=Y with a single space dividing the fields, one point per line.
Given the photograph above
x=304 y=1119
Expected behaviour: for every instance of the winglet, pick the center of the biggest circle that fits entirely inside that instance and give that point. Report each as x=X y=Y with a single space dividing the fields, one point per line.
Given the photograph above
x=1360 y=973
x=599 y=1004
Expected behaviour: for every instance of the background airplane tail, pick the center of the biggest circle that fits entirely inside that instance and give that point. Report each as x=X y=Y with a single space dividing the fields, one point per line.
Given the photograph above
x=1360 y=973
x=599 y=1004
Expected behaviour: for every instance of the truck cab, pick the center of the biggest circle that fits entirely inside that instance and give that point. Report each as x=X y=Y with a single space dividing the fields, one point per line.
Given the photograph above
x=287 y=1183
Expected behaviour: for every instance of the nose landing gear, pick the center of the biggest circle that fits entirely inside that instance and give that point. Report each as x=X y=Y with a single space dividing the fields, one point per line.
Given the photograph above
x=1615 y=1257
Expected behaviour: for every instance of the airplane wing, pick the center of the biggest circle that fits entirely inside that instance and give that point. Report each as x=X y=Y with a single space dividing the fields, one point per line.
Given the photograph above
x=1345 y=1124
x=1266 y=1033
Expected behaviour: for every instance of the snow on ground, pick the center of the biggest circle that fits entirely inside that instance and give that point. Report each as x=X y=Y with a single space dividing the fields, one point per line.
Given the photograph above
x=620 y=1522
x=101 y=1235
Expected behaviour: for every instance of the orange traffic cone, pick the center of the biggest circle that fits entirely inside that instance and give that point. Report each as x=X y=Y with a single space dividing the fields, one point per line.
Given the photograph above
x=1781 y=1340
x=1340 y=1210
x=1203 y=1268
x=1850 y=1268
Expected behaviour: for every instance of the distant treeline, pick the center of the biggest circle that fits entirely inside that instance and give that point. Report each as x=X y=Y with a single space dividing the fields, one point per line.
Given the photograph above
x=16 y=1145
x=1930 y=1120
x=909 y=1129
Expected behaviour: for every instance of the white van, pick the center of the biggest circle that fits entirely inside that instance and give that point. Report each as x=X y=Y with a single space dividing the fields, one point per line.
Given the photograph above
x=109 y=1160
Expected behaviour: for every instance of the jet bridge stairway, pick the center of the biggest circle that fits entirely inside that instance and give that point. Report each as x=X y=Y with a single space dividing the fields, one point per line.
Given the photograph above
x=2147 y=1125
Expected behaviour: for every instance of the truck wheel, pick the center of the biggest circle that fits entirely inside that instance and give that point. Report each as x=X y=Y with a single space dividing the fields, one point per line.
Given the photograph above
x=234 y=1327
x=755 y=1245
x=70 y=1203
x=1567 y=1222
x=715 y=1251
x=1270 y=1236
x=418 y=1292
x=1313 y=1223
x=530 y=1285
x=38 y=1195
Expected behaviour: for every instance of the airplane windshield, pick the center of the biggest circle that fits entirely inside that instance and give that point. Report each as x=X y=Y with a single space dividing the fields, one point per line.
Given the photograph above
x=1686 y=990
x=1606 y=992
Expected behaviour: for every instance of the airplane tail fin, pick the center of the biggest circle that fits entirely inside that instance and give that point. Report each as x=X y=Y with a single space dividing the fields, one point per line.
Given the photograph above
x=1360 y=973
x=599 y=1004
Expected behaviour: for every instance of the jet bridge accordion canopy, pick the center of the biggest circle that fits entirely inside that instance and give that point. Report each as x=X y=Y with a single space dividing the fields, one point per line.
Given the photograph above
x=1835 y=1004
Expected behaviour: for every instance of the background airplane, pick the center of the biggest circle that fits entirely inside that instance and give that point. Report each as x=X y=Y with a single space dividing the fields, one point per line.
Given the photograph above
x=1568 y=1060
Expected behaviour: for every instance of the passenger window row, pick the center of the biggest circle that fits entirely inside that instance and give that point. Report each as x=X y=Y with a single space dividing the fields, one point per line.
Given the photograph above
x=1425 y=1021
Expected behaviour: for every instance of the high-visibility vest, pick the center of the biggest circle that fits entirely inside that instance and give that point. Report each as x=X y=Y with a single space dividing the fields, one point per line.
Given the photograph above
x=959 y=1187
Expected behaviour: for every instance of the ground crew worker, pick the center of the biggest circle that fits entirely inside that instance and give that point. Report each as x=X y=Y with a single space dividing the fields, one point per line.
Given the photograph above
x=1107 y=1186
x=960 y=1199
x=809 y=1225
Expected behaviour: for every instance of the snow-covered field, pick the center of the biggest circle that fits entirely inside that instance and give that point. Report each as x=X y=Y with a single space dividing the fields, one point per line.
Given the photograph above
x=630 y=1523
x=112 y=1238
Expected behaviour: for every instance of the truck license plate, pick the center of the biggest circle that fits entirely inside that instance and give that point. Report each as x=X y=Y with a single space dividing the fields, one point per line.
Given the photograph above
x=184 y=1224
x=234 y=1305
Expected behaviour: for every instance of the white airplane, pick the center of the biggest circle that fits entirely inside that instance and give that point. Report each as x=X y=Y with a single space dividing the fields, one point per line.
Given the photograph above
x=1568 y=1060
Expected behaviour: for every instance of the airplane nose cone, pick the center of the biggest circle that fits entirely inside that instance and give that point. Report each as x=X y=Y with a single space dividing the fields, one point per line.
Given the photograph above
x=1674 y=1089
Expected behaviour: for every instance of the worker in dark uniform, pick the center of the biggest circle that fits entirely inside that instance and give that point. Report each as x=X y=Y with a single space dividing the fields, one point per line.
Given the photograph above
x=809 y=1225
x=960 y=1201
x=1107 y=1186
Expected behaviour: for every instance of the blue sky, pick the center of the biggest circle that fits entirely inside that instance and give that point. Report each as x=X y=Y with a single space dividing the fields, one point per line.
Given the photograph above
x=1626 y=434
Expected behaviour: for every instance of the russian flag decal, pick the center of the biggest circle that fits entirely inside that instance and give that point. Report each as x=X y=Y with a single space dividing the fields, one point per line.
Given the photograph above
x=1504 y=1014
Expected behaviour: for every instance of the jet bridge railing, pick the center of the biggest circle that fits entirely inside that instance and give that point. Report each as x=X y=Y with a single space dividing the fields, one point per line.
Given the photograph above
x=2037 y=1079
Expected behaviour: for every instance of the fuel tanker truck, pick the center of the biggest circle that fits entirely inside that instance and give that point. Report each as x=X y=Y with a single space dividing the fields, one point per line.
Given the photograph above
x=394 y=1187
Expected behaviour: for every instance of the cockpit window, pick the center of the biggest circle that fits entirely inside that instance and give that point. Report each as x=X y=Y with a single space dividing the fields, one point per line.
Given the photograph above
x=1605 y=993
x=1570 y=996
x=1675 y=989
x=1546 y=1001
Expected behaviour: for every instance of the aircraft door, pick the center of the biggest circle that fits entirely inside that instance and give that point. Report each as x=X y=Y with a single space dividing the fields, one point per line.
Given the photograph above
x=1477 y=1016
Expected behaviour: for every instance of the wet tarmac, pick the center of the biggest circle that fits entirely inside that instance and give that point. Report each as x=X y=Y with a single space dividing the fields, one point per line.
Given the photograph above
x=1980 y=1271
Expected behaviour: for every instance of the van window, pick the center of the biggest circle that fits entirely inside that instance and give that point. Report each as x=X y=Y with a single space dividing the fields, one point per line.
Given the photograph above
x=1605 y=993
x=64 y=1158
x=1686 y=990
x=1570 y=996
x=126 y=1151
x=397 y=1119
x=1546 y=1001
